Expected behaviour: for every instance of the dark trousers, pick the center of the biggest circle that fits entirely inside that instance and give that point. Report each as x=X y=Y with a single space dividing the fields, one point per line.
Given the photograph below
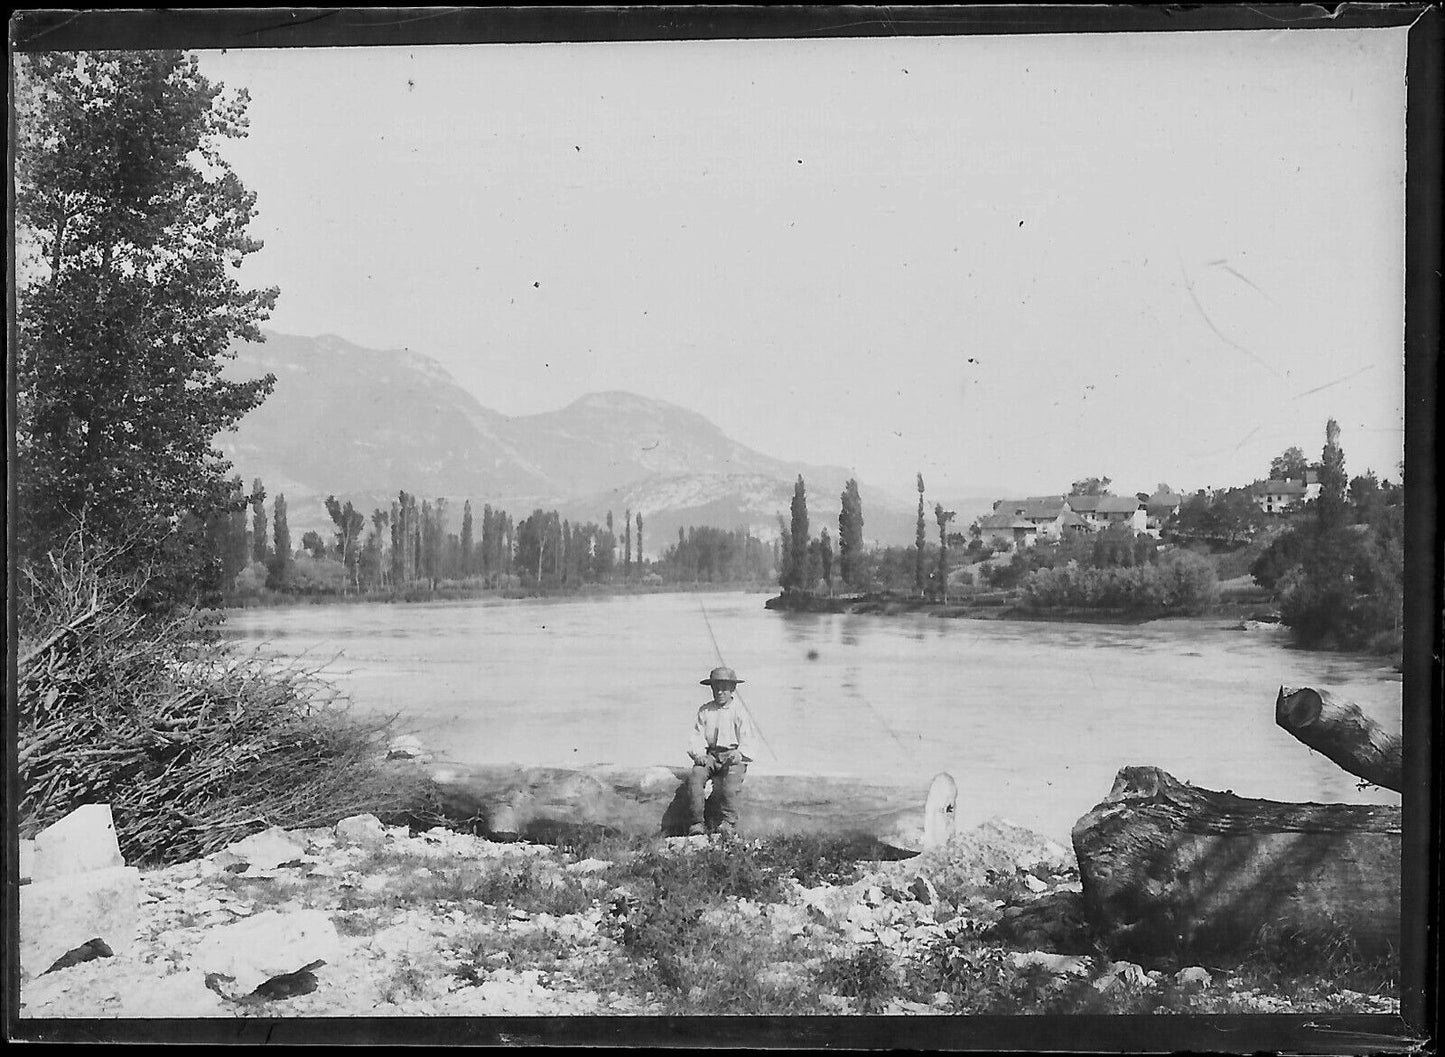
x=727 y=782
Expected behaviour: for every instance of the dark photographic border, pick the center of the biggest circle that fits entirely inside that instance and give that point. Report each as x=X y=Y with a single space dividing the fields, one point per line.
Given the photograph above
x=1422 y=676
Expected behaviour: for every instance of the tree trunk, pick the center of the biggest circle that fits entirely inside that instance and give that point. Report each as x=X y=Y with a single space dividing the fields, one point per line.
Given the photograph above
x=538 y=802
x=1170 y=869
x=1344 y=733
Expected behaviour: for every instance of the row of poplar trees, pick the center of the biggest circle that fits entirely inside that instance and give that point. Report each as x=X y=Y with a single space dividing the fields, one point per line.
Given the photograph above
x=410 y=544
x=805 y=561
x=808 y=563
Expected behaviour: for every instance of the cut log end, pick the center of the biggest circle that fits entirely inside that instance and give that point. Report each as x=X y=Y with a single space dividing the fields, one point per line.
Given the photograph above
x=1172 y=869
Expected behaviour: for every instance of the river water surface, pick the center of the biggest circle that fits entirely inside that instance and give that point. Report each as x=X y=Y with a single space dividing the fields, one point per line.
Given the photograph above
x=1032 y=719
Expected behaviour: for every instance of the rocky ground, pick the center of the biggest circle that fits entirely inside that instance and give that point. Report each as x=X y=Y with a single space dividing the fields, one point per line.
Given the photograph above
x=364 y=920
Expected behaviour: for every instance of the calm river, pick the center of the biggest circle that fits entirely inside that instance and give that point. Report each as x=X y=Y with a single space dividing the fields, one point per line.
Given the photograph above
x=1032 y=719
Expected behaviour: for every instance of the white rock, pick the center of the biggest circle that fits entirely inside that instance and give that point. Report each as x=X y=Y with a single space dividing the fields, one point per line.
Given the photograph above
x=587 y=866
x=263 y=851
x=656 y=778
x=406 y=747
x=63 y=913
x=1062 y=964
x=873 y=896
x=1193 y=976
x=247 y=953
x=82 y=841
x=1122 y=974
x=365 y=830
x=1033 y=884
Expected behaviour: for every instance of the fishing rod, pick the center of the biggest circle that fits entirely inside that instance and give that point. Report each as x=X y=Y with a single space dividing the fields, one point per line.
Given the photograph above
x=736 y=693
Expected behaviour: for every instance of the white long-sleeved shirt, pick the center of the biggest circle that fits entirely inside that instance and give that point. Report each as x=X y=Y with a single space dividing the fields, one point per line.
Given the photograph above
x=725 y=726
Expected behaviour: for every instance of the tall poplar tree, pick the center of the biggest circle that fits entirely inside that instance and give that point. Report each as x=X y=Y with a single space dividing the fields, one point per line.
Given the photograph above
x=280 y=571
x=639 y=539
x=920 y=538
x=466 y=541
x=258 y=521
x=943 y=517
x=798 y=535
x=627 y=542
x=850 y=535
x=130 y=228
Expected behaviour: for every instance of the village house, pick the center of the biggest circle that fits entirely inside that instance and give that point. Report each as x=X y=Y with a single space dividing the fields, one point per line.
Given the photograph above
x=1103 y=511
x=1002 y=531
x=1051 y=515
x=1159 y=508
x=1277 y=497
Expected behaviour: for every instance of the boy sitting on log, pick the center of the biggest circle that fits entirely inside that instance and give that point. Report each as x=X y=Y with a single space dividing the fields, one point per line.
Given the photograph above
x=720 y=750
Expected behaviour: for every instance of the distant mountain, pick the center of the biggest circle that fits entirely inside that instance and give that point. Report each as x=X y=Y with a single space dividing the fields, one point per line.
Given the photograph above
x=363 y=424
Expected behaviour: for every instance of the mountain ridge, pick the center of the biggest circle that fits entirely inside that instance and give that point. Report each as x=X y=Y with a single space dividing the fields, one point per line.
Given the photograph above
x=363 y=424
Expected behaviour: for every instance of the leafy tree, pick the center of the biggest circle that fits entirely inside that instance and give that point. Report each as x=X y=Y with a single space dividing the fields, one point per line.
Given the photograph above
x=258 y=521
x=1091 y=486
x=639 y=538
x=466 y=539
x=943 y=517
x=920 y=538
x=825 y=556
x=1333 y=482
x=130 y=226
x=798 y=535
x=350 y=523
x=1289 y=465
x=281 y=561
x=627 y=544
x=786 y=575
x=314 y=545
x=850 y=534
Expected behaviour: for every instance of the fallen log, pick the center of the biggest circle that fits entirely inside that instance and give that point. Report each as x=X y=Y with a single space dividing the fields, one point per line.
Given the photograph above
x=1171 y=869
x=1343 y=732
x=543 y=803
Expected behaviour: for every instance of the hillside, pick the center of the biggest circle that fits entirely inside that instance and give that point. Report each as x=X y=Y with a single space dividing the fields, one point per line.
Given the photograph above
x=363 y=424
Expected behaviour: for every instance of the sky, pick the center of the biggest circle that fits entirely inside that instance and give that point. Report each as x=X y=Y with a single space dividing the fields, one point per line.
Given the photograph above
x=998 y=261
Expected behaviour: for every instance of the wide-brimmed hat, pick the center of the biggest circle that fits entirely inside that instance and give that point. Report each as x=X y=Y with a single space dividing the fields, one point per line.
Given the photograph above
x=721 y=676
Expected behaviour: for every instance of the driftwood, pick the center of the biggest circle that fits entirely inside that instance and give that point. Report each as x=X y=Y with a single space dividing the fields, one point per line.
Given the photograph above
x=543 y=802
x=1344 y=733
x=1171 y=869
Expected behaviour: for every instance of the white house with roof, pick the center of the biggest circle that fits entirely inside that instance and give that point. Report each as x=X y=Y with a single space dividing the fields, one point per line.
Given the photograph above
x=1007 y=530
x=1277 y=497
x=1106 y=511
x=1051 y=515
x=1159 y=508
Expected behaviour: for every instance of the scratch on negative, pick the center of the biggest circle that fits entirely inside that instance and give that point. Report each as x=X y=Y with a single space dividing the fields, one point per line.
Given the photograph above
x=1244 y=280
x=1189 y=288
x=1337 y=381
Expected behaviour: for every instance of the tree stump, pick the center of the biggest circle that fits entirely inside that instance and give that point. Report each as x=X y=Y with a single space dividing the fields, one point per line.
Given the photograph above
x=1171 y=869
x=1343 y=732
x=544 y=802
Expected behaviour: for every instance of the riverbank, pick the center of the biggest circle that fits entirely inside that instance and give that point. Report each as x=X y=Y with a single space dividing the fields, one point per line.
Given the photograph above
x=1004 y=606
x=453 y=592
x=396 y=922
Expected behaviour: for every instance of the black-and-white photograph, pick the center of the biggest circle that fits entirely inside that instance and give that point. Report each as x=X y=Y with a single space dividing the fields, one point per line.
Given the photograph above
x=776 y=530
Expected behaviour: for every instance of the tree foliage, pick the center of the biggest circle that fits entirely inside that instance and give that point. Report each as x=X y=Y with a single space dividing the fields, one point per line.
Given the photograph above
x=1289 y=465
x=1339 y=569
x=1091 y=486
x=130 y=227
x=850 y=535
x=920 y=541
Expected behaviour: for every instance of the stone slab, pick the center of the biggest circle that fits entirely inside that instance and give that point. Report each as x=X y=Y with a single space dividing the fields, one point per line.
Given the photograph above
x=60 y=914
x=82 y=841
x=246 y=954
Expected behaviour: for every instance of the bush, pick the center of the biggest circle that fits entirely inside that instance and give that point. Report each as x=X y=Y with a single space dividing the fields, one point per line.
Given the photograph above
x=1181 y=583
x=192 y=743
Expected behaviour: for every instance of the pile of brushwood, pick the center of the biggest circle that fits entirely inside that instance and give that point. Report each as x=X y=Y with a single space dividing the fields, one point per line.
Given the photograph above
x=193 y=742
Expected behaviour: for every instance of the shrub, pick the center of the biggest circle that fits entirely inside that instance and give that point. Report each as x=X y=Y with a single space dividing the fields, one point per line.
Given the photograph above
x=192 y=743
